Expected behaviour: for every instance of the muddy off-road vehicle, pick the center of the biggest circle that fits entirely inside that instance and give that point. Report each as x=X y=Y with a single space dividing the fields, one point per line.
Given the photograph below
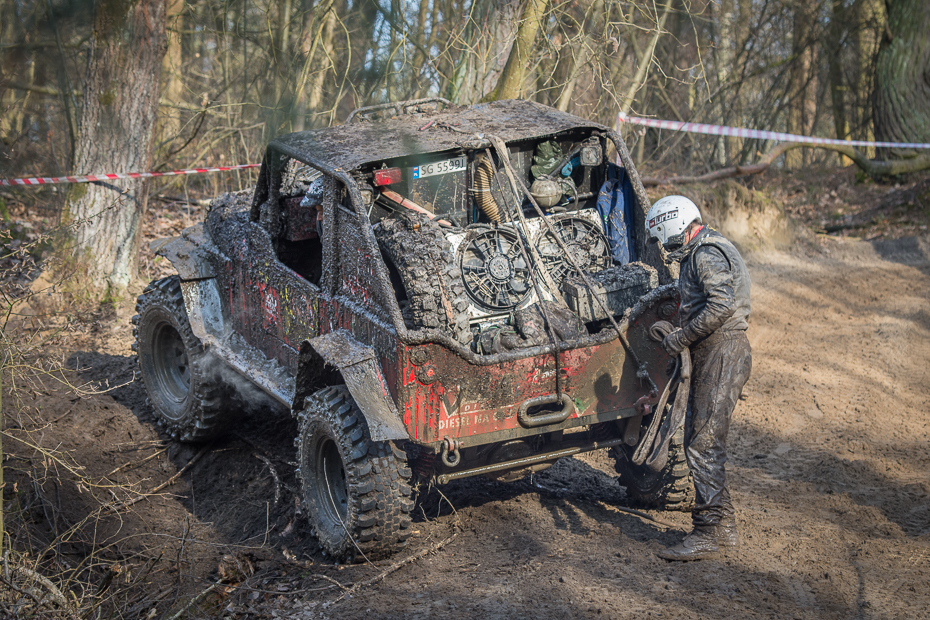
x=435 y=292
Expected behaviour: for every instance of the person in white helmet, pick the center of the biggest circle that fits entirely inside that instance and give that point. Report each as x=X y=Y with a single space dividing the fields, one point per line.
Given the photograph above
x=713 y=317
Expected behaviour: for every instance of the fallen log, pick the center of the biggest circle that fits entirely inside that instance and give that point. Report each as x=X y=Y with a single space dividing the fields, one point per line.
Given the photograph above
x=875 y=168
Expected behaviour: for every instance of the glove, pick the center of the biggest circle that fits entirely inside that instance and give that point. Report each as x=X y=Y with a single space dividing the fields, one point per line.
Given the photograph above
x=674 y=342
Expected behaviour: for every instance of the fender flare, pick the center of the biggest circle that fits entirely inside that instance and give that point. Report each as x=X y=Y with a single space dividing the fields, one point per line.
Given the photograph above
x=190 y=253
x=193 y=256
x=359 y=367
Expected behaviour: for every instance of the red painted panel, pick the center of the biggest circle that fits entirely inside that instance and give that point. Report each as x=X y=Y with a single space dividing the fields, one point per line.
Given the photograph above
x=440 y=394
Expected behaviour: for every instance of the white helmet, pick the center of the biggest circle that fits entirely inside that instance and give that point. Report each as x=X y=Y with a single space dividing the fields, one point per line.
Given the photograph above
x=669 y=217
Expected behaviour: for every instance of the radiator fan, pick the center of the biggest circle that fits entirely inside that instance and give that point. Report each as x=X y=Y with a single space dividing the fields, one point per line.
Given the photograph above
x=584 y=241
x=495 y=274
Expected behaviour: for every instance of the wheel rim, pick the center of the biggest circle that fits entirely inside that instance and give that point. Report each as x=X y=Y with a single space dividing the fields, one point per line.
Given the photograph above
x=170 y=363
x=331 y=482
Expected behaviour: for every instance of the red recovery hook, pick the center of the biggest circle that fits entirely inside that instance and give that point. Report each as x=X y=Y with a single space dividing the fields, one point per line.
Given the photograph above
x=409 y=204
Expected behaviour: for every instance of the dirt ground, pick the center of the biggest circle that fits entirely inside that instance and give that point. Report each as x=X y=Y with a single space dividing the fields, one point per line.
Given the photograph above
x=829 y=470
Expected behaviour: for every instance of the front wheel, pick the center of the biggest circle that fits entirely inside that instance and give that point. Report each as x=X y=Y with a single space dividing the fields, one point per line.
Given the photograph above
x=179 y=376
x=356 y=491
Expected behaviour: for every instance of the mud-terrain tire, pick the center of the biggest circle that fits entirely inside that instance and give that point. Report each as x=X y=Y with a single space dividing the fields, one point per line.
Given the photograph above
x=423 y=258
x=179 y=375
x=355 y=491
x=670 y=489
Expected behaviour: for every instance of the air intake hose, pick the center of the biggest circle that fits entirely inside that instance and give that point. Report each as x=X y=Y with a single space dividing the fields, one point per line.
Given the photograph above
x=484 y=172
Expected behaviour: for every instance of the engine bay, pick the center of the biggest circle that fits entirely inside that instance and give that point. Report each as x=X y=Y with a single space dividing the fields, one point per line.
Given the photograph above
x=513 y=242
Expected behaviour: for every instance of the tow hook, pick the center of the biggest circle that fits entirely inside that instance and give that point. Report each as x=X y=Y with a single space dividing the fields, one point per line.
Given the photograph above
x=644 y=404
x=450 y=448
x=643 y=407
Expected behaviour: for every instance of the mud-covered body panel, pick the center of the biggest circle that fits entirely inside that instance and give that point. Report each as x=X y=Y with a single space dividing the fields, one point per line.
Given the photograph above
x=435 y=392
x=189 y=253
x=360 y=368
x=352 y=145
x=442 y=395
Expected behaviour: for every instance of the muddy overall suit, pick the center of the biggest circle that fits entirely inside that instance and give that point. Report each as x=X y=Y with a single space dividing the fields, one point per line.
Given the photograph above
x=714 y=286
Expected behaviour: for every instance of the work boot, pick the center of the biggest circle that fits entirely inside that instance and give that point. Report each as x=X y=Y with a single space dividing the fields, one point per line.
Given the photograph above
x=701 y=543
x=726 y=533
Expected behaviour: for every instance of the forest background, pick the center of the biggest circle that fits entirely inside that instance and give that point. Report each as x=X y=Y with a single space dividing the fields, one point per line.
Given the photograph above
x=119 y=86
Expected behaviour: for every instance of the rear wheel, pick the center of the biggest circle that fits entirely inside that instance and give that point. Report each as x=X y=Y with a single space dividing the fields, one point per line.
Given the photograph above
x=178 y=374
x=669 y=489
x=356 y=491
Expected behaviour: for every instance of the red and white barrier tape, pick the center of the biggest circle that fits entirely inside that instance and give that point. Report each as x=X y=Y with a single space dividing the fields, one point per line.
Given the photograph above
x=90 y=178
x=713 y=130
x=739 y=132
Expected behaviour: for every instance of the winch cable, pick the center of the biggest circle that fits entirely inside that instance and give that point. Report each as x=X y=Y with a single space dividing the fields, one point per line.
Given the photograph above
x=641 y=372
x=534 y=267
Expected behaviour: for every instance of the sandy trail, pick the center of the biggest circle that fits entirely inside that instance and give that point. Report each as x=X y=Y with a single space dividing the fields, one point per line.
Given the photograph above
x=830 y=472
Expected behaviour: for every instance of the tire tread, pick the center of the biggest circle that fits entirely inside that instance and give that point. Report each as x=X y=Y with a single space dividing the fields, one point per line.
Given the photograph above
x=377 y=479
x=424 y=260
x=676 y=489
x=209 y=412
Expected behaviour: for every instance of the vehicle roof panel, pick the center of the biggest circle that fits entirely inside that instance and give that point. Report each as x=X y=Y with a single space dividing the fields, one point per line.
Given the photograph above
x=360 y=142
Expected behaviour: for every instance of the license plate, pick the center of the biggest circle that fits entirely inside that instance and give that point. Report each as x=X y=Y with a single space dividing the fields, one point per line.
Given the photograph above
x=439 y=167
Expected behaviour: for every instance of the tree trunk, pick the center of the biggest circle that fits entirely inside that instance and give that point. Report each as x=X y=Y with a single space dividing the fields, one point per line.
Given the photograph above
x=902 y=78
x=645 y=62
x=117 y=124
x=870 y=22
x=499 y=21
x=740 y=98
x=13 y=110
x=422 y=40
x=325 y=62
x=314 y=70
x=723 y=59
x=171 y=70
x=803 y=91
x=464 y=85
x=282 y=56
x=511 y=83
x=834 y=43
x=582 y=53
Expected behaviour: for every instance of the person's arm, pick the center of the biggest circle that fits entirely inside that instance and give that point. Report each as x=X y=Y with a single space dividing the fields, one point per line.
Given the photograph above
x=716 y=276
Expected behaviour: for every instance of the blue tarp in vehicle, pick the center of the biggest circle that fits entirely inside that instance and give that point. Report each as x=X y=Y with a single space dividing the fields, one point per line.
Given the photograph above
x=615 y=206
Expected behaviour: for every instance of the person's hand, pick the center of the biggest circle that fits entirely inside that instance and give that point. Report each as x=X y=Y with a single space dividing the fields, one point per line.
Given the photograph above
x=674 y=343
